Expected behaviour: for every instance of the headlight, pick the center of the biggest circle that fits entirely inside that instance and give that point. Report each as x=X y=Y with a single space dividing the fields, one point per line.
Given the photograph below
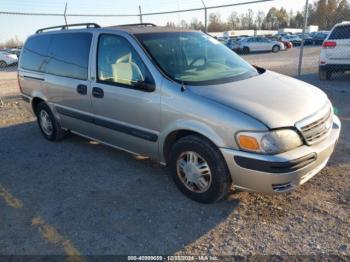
x=273 y=142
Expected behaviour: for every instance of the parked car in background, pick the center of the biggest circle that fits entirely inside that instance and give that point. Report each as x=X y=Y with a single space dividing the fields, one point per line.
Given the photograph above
x=294 y=39
x=287 y=44
x=319 y=37
x=234 y=43
x=280 y=35
x=308 y=40
x=7 y=59
x=335 y=52
x=14 y=51
x=258 y=44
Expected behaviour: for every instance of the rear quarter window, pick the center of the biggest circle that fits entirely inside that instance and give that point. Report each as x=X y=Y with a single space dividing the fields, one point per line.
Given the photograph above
x=340 y=32
x=69 y=55
x=35 y=53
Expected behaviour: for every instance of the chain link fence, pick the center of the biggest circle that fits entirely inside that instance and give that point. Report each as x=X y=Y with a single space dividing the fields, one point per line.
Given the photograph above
x=309 y=52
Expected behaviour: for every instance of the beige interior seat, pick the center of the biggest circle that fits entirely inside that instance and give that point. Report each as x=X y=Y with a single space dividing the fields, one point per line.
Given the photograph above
x=125 y=71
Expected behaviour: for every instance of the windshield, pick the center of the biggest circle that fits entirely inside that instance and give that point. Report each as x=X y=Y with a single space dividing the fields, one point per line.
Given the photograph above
x=195 y=58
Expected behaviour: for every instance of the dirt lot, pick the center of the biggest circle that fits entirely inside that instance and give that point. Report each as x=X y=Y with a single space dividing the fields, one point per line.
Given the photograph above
x=78 y=197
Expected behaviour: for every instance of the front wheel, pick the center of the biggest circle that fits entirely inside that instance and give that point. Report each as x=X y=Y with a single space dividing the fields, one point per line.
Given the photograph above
x=276 y=49
x=199 y=170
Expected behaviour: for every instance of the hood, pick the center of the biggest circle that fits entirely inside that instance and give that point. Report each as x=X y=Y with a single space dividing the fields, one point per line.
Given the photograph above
x=275 y=100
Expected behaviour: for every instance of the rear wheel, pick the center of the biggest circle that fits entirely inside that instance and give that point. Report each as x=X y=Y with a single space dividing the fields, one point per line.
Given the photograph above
x=325 y=75
x=199 y=170
x=246 y=50
x=276 y=49
x=49 y=126
x=3 y=64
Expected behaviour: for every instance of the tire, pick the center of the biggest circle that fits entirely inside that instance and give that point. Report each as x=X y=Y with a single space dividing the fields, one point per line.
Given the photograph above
x=3 y=64
x=324 y=75
x=276 y=49
x=246 y=50
x=218 y=180
x=57 y=133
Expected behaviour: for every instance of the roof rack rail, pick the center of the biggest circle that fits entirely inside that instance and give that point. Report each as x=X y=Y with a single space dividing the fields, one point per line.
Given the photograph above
x=65 y=27
x=140 y=24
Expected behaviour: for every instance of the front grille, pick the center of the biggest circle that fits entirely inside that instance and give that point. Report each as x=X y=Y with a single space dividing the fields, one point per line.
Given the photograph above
x=316 y=127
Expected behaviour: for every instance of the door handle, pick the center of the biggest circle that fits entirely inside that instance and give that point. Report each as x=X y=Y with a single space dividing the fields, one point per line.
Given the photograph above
x=82 y=89
x=97 y=92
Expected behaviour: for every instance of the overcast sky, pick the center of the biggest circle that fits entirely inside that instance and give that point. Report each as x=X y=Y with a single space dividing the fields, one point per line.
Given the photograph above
x=22 y=26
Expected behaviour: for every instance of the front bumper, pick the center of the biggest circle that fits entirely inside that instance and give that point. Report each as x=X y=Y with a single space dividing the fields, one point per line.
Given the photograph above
x=283 y=172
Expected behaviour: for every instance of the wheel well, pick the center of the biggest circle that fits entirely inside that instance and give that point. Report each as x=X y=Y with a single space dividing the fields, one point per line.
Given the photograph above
x=174 y=136
x=35 y=102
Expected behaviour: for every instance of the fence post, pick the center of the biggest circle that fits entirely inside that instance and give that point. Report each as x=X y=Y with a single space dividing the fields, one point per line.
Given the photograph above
x=306 y=14
x=205 y=17
x=140 y=14
x=65 y=14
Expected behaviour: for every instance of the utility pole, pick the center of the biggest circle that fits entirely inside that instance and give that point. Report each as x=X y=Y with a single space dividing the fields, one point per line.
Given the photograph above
x=140 y=14
x=65 y=14
x=306 y=14
x=205 y=17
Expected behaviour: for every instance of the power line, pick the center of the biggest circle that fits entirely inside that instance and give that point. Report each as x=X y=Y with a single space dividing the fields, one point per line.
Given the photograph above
x=136 y=14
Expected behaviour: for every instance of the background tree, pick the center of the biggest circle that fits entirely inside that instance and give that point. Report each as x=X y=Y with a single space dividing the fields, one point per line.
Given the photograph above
x=215 y=24
x=259 y=19
x=282 y=18
x=233 y=21
x=324 y=13
x=183 y=24
x=271 y=21
x=196 y=24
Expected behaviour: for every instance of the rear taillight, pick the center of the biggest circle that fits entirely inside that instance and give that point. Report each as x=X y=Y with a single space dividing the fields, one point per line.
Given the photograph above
x=19 y=84
x=329 y=44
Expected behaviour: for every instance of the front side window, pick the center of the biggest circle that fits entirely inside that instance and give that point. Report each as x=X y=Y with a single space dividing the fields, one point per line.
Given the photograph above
x=118 y=63
x=194 y=58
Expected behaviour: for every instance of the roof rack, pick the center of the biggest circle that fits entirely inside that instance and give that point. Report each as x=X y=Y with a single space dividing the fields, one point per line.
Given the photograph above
x=65 y=27
x=140 y=24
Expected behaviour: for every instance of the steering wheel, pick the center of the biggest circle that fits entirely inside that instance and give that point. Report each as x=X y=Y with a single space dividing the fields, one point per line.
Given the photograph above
x=198 y=58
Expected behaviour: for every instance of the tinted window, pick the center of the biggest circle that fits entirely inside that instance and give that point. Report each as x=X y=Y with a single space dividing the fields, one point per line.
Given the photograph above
x=69 y=55
x=118 y=62
x=340 y=32
x=34 y=54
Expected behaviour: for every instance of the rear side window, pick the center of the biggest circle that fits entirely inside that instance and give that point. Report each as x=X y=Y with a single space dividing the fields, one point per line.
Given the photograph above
x=340 y=32
x=69 y=55
x=35 y=53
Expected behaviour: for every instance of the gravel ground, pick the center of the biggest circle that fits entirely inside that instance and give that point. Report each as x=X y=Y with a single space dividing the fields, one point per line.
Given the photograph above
x=80 y=197
x=286 y=62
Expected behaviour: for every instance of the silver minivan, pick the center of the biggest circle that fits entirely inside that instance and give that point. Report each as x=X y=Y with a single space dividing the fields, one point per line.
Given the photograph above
x=182 y=98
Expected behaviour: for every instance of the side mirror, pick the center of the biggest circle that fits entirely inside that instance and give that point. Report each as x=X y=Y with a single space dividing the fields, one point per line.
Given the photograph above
x=144 y=86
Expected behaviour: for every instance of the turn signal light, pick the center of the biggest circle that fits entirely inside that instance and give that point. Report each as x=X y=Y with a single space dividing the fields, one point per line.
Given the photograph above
x=248 y=143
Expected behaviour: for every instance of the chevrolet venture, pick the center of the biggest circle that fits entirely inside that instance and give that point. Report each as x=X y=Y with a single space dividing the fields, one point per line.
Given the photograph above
x=182 y=98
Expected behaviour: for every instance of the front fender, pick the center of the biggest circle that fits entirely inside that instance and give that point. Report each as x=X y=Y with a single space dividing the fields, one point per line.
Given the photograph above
x=189 y=125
